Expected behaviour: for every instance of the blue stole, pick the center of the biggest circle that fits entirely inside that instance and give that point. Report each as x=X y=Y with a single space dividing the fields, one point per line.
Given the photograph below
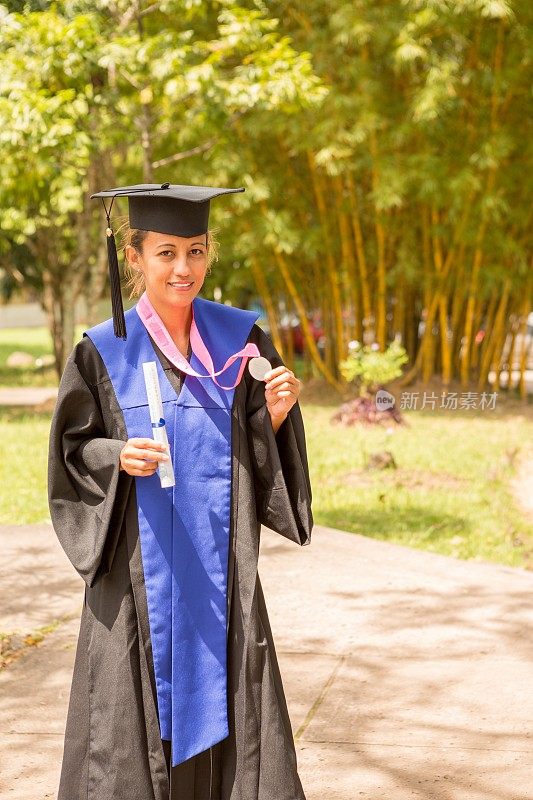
x=185 y=530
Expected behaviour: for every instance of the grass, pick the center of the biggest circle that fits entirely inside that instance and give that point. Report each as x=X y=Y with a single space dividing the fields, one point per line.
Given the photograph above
x=450 y=493
x=23 y=466
x=38 y=343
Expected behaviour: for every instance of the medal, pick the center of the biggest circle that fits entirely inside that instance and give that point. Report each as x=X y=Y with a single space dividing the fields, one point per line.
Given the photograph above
x=259 y=367
x=155 y=327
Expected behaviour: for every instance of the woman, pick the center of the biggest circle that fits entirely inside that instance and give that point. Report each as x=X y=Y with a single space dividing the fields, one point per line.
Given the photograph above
x=176 y=690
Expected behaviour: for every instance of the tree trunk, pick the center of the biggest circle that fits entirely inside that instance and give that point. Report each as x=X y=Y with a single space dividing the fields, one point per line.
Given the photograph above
x=349 y=263
x=337 y=342
x=367 y=321
x=264 y=293
x=494 y=343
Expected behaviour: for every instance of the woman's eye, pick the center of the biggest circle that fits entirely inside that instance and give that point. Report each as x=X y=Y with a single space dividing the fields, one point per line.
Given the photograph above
x=166 y=253
x=197 y=251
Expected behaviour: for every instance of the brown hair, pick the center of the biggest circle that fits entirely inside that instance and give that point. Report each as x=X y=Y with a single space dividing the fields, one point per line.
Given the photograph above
x=135 y=237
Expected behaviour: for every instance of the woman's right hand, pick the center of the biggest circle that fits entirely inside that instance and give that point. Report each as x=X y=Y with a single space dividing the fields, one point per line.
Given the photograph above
x=141 y=457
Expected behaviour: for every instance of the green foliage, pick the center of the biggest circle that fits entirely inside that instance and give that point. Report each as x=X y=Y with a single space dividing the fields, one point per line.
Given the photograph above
x=77 y=78
x=370 y=368
x=417 y=105
x=94 y=95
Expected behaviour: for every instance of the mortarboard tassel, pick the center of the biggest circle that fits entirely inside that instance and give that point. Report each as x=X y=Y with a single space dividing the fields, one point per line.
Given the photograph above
x=119 y=323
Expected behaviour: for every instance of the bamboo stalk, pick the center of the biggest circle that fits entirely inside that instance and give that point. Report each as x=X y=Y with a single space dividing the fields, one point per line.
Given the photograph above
x=266 y=298
x=381 y=294
x=522 y=386
x=470 y=304
x=498 y=330
x=478 y=251
x=306 y=330
x=428 y=355
x=511 y=353
x=479 y=306
x=360 y=252
x=381 y=288
x=410 y=338
x=490 y=314
x=443 y=305
x=329 y=352
x=332 y=267
x=398 y=321
x=349 y=260
x=458 y=233
x=457 y=307
x=295 y=296
x=499 y=344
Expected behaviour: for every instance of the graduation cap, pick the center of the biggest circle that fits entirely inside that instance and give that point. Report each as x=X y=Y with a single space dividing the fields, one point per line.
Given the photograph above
x=165 y=208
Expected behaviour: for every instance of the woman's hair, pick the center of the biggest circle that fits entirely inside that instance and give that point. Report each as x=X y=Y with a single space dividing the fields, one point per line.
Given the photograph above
x=135 y=237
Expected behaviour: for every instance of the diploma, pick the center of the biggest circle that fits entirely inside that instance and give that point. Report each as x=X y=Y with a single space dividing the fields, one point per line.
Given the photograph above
x=159 y=431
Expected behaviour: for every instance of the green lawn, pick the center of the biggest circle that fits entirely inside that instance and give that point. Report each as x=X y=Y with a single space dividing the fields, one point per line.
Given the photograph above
x=449 y=494
x=35 y=341
x=24 y=439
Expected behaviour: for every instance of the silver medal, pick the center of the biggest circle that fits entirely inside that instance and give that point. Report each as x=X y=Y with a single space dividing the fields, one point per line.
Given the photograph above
x=259 y=367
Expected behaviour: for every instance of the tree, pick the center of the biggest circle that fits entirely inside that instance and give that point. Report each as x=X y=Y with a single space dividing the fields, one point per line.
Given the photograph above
x=94 y=94
x=399 y=204
x=381 y=146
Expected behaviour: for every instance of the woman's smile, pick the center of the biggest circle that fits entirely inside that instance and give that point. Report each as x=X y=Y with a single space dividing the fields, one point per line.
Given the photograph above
x=181 y=286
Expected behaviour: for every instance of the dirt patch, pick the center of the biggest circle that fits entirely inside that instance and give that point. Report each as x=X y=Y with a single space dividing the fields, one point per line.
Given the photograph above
x=317 y=392
x=14 y=645
x=402 y=478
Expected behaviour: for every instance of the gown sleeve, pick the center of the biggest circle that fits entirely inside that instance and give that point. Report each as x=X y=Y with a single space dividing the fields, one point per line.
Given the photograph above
x=279 y=460
x=87 y=491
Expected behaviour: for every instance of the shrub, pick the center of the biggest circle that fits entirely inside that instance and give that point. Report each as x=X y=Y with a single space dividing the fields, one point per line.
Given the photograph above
x=369 y=368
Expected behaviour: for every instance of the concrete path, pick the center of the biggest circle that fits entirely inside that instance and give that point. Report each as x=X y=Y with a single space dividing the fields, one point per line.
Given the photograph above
x=408 y=674
x=26 y=395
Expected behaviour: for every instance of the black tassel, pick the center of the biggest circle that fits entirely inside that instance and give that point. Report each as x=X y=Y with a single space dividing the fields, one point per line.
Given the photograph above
x=119 y=323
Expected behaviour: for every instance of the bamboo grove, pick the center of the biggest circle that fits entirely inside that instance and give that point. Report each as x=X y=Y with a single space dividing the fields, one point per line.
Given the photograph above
x=406 y=193
x=383 y=147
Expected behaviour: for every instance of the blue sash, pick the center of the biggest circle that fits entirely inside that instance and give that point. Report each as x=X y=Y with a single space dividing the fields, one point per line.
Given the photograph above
x=185 y=530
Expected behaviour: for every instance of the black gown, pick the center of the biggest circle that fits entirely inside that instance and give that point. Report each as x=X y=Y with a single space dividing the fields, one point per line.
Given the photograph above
x=113 y=749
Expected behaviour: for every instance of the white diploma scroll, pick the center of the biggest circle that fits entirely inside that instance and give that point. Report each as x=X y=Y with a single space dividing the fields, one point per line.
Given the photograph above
x=159 y=430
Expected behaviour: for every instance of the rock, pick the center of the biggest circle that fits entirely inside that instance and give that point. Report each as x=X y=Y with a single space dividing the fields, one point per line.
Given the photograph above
x=45 y=361
x=381 y=460
x=20 y=359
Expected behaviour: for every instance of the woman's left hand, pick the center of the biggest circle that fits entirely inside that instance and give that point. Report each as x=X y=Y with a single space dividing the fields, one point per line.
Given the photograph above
x=281 y=391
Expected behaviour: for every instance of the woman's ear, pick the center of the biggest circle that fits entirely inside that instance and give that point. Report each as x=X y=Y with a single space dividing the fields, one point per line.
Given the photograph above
x=132 y=257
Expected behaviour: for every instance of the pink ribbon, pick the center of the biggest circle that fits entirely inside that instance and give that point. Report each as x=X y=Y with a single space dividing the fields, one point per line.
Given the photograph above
x=156 y=328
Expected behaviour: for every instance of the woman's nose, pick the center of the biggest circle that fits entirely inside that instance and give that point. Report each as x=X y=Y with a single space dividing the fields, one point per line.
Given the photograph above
x=180 y=267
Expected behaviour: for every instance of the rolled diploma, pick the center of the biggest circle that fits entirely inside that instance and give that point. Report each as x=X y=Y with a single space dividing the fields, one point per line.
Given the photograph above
x=159 y=430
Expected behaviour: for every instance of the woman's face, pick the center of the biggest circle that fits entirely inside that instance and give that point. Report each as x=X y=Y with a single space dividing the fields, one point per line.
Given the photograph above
x=167 y=263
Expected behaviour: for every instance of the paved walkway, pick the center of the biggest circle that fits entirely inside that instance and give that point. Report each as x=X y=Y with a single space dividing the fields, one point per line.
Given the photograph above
x=26 y=395
x=408 y=674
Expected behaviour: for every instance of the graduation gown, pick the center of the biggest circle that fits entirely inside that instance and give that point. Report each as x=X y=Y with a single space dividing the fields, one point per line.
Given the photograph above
x=113 y=747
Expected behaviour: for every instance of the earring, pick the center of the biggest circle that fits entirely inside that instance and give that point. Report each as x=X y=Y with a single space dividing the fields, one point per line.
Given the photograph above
x=208 y=271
